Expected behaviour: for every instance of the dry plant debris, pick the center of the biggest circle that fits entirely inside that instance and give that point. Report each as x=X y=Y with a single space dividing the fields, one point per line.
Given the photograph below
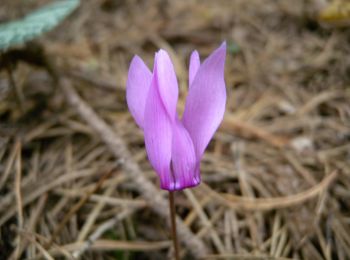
x=276 y=176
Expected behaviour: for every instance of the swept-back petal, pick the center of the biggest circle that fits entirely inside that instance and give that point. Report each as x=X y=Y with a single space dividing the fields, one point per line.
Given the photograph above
x=167 y=82
x=194 y=66
x=158 y=135
x=137 y=86
x=183 y=158
x=205 y=103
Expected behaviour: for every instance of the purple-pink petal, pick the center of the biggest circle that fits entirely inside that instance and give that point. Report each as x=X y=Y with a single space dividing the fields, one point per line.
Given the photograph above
x=137 y=87
x=158 y=135
x=193 y=67
x=205 y=103
x=175 y=147
x=167 y=82
x=183 y=158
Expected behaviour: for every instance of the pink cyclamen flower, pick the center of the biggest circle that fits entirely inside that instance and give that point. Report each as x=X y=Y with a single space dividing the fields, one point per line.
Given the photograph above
x=175 y=146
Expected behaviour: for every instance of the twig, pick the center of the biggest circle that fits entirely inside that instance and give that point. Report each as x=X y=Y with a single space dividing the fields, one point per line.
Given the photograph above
x=42 y=249
x=113 y=201
x=299 y=168
x=32 y=223
x=246 y=203
x=93 y=215
x=119 y=150
x=36 y=239
x=230 y=124
x=10 y=211
x=319 y=99
x=112 y=245
x=205 y=221
x=100 y=231
x=76 y=207
x=7 y=171
x=103 y=83
x=243 y=257
x=18 y=194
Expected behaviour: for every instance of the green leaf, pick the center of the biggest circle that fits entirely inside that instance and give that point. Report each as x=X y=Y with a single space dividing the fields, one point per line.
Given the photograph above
x=35 y=24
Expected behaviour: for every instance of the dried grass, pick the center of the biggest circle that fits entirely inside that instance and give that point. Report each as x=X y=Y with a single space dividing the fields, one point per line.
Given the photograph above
x=276 y=176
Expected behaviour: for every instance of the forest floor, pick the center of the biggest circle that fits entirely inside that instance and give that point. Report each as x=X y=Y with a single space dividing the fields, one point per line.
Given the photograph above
x=75 y=180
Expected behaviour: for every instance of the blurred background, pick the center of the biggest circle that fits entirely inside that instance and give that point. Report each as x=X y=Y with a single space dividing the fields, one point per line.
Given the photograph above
x=276 y=176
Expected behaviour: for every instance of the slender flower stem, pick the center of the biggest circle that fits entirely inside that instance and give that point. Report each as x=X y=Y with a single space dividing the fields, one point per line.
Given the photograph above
x=173 y=224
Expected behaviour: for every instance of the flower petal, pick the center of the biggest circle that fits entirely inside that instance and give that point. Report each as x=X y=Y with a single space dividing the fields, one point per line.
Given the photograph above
x=137 y=86
x=183 y=158
x=194 y=66
x=158 y=135
x=205 y=103
x=167 y=82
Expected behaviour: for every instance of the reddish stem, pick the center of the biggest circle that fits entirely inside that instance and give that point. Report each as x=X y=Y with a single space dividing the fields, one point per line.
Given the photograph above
x=173 y=224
